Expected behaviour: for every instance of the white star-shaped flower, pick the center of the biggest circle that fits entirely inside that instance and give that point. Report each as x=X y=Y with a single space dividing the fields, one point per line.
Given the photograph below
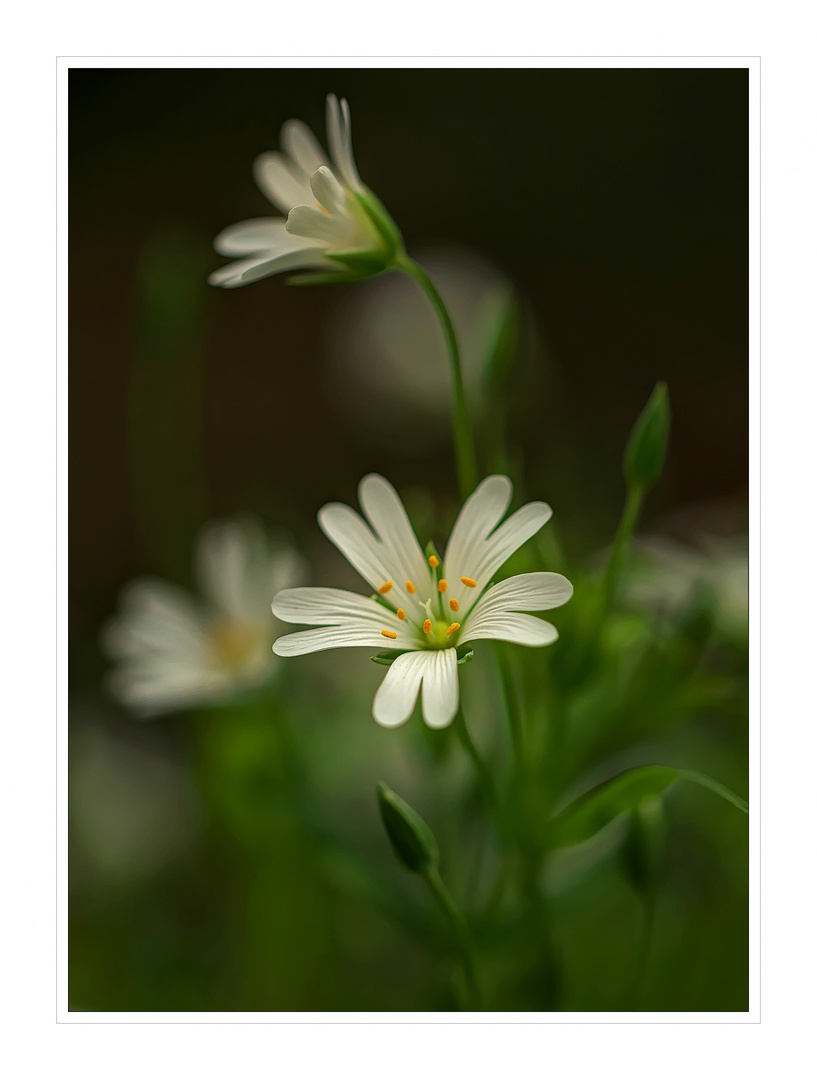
x=424 y=607
x=174 y=650
x=333 y=222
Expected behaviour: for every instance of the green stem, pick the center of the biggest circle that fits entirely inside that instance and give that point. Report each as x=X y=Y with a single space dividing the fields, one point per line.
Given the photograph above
x=482 y=770
x=626 y=527
x=461 y=933
x=461 y=421
x=513 y=711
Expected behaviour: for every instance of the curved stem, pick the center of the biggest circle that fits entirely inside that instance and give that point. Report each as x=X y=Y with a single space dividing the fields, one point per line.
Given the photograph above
x=461 y=933
x=461 y=421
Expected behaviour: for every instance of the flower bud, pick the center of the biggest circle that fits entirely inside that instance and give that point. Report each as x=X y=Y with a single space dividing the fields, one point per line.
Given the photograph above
x=647 y=445
x=412 y=840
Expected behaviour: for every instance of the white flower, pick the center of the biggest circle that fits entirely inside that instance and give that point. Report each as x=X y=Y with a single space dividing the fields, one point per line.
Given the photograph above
x=423 y=607
x=333 y=222
x=175 y=650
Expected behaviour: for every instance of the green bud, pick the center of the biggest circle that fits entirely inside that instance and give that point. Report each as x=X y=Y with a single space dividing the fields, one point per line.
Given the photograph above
x=412 y=840
x=647 y=445
x=642 y=850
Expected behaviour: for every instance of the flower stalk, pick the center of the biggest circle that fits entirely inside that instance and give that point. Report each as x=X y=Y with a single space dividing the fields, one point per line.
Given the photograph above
x=463 y=431
x=462 y=935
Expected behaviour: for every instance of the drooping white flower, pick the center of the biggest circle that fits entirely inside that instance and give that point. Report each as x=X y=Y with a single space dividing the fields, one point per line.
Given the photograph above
x=333 y=222
x=423 y=607
x=174 y=650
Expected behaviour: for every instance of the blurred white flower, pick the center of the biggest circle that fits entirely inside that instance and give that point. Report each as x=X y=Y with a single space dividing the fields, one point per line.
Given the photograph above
x=423 y=607
x=333 y=222
x=667 y=575
x=174 y=650
x=388 y=359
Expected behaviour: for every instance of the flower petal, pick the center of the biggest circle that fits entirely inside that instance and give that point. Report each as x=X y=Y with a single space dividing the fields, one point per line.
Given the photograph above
x=525 y=592
x=156 y=617
x=330 y=607
x=481 y=513
x=283 y=183
x=441 y=688
x=313 y=224
x=254 y=236
x=397 y=695
x=387 y=516
x=332 y=637
x=339 y=135
x=509 y=626
x=302 y=146
x=354 y=539
x=222 y=561
x=327 y=191
x=305 y=258
x=231 y=275
x=511 y=535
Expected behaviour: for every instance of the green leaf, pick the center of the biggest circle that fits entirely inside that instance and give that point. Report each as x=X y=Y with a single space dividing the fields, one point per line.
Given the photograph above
x=588 y=814
x=412 y=840
x=465 y=654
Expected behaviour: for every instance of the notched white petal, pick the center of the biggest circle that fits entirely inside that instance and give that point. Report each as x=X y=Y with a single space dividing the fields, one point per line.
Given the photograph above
x=302 y=146
x=397 y=695
x=441 y=689
x=509 y=626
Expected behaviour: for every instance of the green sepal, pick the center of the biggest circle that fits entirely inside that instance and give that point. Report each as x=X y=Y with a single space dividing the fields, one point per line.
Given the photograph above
x=386 y=657
x=383 y=222
x=362 y=264
x=588 y=814
x=647 y=446
x=465 y=654
x=412 y=840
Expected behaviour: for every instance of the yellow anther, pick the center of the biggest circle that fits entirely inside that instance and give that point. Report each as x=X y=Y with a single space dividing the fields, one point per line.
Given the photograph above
x=410 y=587
x=468 y=582
x=385 y=587
x=454 y=604
x=442 y=584
x=454 y=626
x=401 y=614
x=433 y=561
x=388 y=633
x=426 y=627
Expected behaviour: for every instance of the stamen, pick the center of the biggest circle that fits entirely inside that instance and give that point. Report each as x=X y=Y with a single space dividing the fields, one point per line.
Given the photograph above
x=453 y=604
x=468 y=582
x=390 y=633
x=410 y=587
x=442 y=584
x=385 y=587
x=454 y=626
x=433 y=562
x=401 y=614
x=426 y=627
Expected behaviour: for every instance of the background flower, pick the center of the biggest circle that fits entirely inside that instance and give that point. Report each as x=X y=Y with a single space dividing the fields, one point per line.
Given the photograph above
x=175 y=650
